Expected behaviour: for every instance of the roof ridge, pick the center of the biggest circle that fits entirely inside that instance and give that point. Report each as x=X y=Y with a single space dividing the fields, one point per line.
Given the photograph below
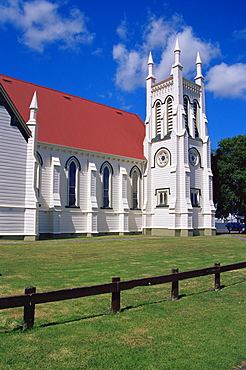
x=68 y=94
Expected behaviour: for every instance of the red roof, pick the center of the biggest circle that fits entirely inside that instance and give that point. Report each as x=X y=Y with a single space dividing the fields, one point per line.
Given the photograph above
x=74 y=122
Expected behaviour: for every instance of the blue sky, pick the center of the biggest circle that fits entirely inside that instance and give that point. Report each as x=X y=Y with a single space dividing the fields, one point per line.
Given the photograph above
x=99 y=50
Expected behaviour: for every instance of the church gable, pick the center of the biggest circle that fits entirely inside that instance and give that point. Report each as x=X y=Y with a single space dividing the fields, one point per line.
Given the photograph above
x=15 y=117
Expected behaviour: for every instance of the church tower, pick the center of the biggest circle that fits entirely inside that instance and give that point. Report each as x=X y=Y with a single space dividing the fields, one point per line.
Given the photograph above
x=178 y=179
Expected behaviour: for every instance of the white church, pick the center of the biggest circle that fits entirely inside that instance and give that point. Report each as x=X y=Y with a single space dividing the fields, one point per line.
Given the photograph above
x=73 y=167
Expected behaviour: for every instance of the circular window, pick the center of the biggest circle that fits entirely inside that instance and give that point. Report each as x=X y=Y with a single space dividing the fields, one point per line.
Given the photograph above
x=193 y=157
x=162 y=157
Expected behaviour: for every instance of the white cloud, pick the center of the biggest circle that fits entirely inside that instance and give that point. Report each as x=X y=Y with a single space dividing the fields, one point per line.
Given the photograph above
x=122 y=30
x=240 y=34
x=159 y=37
x=131 y=67
x=40 y=23
x=227 y=81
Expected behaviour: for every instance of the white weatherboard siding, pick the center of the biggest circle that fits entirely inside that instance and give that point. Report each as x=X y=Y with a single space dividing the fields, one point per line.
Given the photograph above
x=89 y=217
x=13 y=154
x=13 y=158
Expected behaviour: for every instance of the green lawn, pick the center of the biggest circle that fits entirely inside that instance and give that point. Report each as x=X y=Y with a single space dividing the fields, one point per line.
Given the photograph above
x=203 y=330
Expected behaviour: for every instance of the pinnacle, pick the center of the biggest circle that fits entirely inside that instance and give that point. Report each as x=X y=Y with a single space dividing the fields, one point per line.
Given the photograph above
x=177 y=48
x=198 y=58
x=34 y=102
x=150 y=61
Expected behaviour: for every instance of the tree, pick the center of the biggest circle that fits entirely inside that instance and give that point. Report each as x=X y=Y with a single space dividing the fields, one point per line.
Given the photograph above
x=229 y=170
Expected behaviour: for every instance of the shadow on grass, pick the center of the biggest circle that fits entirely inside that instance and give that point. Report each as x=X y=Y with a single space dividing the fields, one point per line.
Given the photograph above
x=109 y=311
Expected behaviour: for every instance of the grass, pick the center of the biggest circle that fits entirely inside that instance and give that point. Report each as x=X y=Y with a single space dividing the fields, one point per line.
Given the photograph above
x=203 y=330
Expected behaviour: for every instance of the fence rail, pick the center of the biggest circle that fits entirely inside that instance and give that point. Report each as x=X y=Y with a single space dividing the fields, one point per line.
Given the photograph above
x=31 y=298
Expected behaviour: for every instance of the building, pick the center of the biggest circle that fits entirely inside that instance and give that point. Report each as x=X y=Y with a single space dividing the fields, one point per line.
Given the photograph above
x=70 y=166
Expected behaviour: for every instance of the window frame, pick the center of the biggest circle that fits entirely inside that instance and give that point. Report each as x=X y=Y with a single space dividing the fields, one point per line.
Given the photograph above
x=186 y=103
x=38 y=171
x=169 y=114
x=75 y=184
x=160 y=203
x=195 y=108
x=106 y=185
x=158 y=118
x=194 y=192
x=135 y=195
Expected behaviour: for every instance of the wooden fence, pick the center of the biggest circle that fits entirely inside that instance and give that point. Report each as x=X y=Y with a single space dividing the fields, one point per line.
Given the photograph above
x=31 y=298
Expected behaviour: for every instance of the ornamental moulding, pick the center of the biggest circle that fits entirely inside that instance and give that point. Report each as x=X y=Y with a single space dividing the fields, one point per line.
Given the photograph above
x=162 y=87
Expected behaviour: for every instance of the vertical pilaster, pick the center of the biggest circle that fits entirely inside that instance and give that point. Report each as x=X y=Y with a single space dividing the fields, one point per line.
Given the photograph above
x=31 y=201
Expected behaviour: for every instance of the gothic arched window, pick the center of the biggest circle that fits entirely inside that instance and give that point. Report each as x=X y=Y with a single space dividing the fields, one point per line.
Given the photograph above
x=135 y=176
x=169 y=114
x=73 y=167
x=186 y=110
x=39 y=164
x=158 y=118
x=195 y=119
x=106 y=171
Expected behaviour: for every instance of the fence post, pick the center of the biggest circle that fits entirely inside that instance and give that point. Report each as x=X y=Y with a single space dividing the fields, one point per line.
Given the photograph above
x=175 y=286
x=29 y=310
x=217 y=277
x=115 y=305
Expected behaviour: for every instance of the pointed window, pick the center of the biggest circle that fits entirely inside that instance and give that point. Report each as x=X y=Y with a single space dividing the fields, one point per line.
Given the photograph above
x=106 y=189
x=73 y=167
x=186 y=116
x=106 y=172
x=136 y=177
x=158 y=119
x=169 y=114
x=72 y=184
x=39 y=164
x=195 y=118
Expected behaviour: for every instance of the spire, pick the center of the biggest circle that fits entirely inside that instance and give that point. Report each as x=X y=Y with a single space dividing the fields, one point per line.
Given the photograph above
x=150 y=67
x=33 y=107
x=150 y=80
x=177 y=52
x=198 y=68
x=177 y=48
x=198 y=58
x=150 y=61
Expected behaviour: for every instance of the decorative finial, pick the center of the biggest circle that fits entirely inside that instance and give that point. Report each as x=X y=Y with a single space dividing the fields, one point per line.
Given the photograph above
x=150 y=61
x=177 y=52
x=33 y=107
x=34 y=102
x=199 y=75
x=177 y=48
x=198 y=58
x=150 y=68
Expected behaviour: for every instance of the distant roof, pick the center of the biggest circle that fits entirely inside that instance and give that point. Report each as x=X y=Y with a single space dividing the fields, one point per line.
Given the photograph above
x=74 y=122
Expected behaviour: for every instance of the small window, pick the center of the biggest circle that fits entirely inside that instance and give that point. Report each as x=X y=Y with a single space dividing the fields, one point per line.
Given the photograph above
x=162 y=197
x=195 y=197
